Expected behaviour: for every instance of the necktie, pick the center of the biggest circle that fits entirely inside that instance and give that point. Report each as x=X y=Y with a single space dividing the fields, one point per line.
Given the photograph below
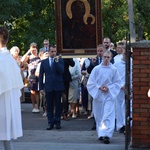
x=52 y=63
x=99 y=60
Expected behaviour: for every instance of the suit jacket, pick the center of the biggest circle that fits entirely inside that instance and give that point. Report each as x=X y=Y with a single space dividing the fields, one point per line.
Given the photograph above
x=114 y=53
x=66 y=75
x=91 y=66
x=53 y=76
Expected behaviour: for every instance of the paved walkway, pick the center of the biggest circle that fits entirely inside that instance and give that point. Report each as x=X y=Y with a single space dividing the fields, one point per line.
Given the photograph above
x=75 y=134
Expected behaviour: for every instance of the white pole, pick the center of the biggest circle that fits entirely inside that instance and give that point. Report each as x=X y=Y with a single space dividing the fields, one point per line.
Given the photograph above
x=131 y=21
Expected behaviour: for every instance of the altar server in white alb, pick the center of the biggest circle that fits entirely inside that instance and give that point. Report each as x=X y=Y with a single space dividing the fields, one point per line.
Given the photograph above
x=120 y=99
x=10 y=92
x=104 y=85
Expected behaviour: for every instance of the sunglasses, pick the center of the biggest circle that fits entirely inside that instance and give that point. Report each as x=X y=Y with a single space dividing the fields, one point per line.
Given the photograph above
x=106 y=57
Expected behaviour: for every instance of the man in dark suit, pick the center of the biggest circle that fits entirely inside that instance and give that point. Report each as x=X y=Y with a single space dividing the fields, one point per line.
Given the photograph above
x=106 y=43
x=52 y=68
x=96 y=61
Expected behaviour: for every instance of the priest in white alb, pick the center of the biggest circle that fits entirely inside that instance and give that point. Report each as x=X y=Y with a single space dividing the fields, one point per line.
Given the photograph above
x=10 y=93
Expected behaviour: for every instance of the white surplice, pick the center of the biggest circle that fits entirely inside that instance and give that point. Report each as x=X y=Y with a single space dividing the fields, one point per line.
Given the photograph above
x=118 y=58
x=10 y=86
x=120 y=99
x=103 y=103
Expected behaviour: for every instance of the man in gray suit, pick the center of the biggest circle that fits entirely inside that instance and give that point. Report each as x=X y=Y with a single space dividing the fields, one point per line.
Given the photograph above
x=52 y=68
x=46 y=46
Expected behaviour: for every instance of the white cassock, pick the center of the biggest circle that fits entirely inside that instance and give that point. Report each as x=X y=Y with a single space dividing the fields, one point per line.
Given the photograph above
x=10 y=86
x=120 y=99
x=103 y=103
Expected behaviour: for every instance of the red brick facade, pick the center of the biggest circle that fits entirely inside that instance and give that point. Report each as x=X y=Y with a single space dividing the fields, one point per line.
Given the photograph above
x=141 y=101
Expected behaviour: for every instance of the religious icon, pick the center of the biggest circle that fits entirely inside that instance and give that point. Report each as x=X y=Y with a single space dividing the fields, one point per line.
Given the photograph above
x=79 y=23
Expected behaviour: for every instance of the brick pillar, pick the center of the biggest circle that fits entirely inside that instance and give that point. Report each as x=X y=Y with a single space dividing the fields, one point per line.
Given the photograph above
x=141 y=101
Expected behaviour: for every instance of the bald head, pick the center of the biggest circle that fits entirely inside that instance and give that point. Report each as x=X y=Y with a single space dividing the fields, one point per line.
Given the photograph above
x=106 y=42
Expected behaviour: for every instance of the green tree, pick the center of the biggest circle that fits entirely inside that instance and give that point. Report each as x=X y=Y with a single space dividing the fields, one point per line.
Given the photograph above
x=142 y=15
x=8 y=11
x=29 y=21
x=34 y=20
x=115 y=19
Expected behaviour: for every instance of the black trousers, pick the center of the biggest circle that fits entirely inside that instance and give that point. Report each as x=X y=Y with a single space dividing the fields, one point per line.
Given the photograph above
x=53 y=101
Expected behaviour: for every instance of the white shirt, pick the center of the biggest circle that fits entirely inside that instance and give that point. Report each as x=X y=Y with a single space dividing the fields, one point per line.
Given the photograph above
x=50 y=61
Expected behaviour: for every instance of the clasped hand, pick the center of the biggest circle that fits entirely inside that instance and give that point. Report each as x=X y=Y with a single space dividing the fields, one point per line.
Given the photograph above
x=104 y=88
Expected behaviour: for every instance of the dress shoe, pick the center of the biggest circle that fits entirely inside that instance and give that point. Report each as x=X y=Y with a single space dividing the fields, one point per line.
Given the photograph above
x=122 y=129
x=58 y=127
x=94 y=127
x=101 y=138
x=106 y=140
x=50 y=127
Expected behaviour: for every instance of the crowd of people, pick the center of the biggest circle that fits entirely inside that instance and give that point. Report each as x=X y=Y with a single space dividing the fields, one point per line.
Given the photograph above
x=59 y=85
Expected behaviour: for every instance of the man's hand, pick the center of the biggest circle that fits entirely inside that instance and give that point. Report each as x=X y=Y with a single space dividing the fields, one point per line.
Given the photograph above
x=104 y=88
x=123 y=87
x=93 y=60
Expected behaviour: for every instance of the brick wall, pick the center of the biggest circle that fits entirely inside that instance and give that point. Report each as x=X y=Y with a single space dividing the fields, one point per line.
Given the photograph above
x=141 y=101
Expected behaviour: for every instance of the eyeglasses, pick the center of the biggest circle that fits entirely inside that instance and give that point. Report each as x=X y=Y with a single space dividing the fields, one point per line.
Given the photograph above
x=53 y=51
x=106 y=57
x=45 y=43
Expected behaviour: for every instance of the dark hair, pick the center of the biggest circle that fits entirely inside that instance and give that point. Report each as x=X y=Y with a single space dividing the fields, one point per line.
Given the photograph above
x=4 y=35
x=53 y=46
